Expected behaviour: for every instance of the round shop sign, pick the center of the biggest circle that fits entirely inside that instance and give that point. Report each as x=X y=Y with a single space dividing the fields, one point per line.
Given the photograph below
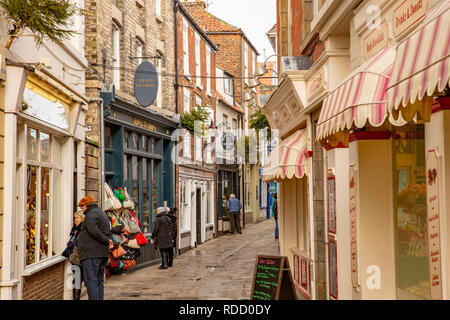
x=145 y=84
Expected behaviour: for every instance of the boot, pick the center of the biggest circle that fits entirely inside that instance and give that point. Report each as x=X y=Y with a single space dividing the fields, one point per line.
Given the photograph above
x=164 y=259
x=76 y=294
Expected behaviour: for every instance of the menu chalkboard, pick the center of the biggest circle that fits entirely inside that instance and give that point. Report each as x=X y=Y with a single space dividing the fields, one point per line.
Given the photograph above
x=272 y=279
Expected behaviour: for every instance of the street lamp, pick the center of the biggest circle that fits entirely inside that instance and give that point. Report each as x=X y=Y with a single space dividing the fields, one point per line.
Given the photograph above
x=262 y=70
x=253 y=83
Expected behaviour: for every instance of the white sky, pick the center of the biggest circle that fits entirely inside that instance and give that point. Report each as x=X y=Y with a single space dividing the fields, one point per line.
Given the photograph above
x=254 y=17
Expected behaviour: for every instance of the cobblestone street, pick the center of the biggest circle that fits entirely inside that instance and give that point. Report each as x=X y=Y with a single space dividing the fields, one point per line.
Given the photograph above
x=221 y=268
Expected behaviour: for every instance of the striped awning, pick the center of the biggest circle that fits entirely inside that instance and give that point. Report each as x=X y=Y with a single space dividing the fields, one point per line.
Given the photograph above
x=288 y=160
x=360 y=99
x=422 y=66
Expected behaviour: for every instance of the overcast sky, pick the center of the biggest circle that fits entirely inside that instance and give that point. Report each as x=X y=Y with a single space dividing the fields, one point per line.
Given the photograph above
x=255 y=17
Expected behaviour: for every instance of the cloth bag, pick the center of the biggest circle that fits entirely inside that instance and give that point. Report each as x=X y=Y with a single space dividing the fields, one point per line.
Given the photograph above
x=74 y=257
x=113 y=203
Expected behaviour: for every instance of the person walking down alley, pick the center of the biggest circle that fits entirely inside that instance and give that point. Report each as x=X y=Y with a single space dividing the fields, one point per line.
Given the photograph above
x=234 y=207
x=73 y=238
x=94 y=243
x=162 y=235
x=275 y=214
x=173 y=218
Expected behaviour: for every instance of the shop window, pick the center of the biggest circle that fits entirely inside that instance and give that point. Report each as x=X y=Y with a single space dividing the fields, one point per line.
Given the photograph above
x=44 y=192
x=125 y=139
x=45 y=106
x=145 y=196
x=208 y=203
x=410 y=213
x=134 y=141
x=108 y=137
x=144 y=143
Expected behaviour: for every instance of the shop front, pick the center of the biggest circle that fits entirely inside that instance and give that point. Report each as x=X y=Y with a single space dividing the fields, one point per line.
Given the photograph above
x=138 y=157
x=44 y=166
x=391 y=113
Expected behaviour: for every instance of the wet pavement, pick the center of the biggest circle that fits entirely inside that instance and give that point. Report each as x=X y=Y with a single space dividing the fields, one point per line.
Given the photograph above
x=219 y=269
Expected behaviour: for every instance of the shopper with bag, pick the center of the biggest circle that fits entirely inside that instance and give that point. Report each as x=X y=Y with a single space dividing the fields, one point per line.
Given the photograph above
x=94 y=243
x=162 y=235
x=74 y=233
x=173 y=219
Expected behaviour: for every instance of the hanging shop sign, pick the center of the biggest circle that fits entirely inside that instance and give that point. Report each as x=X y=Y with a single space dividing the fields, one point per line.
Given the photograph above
x=145 y=84
x=272 y=279
x=353 y=231
x=407 y=14
x=433 y=218
x=375 y=41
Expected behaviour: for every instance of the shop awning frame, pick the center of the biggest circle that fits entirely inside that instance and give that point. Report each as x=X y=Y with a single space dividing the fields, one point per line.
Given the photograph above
x=422 y=67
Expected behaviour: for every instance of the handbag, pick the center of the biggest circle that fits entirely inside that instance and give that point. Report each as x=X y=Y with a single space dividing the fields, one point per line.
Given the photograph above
x=109 y=194
x=141 y=239
x=128 y=203
x=127 y=264
x=118 y=252
x=133 y=244
x=74 y=257
x=132 y=222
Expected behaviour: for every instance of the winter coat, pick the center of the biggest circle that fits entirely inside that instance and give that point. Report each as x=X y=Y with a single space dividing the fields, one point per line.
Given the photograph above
x=234 y=205
x=95 y=234
x=173 y=220
x=162 y=231
x=74 y=233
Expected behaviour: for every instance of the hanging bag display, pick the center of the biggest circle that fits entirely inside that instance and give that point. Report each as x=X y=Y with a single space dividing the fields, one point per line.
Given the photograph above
x=132 y=222
x=109 y=194
x=127 y=203
x=118 y=252
x=141 y=239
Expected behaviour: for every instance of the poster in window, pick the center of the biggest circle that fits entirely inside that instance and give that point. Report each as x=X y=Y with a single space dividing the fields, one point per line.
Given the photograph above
x=331 y=187
x=304 y=274
x=296 y=270
x=332 y=268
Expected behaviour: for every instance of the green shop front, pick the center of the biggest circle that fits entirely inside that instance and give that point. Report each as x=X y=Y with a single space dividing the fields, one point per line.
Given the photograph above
x=138 y=150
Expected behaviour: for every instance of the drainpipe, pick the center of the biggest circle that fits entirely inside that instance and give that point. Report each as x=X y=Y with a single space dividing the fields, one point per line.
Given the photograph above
x=175 y=13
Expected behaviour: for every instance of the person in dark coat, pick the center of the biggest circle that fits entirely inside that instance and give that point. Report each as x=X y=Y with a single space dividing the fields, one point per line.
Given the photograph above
x=74 y=234
x=162 y=235
x=275 y=214
x=173 y=219
x=94 y=243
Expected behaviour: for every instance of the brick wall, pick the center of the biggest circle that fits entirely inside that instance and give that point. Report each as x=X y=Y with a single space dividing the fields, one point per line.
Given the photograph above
x=137 y=19
x=47 y=284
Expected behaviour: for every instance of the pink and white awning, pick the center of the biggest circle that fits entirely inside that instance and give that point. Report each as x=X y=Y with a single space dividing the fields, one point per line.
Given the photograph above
x=288 y=160
x=422 y=64
x=360 y=99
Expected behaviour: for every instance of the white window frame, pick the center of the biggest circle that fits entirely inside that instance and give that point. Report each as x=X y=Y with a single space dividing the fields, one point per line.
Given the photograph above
x=139 y=51
x=198 y=80
x=186 y=48
x=208 y=71
x=198 y=101
x=187 y=100
x=246 y=62
x=115 y=56
x=160 y=84
x=187 y=144
x=228 y=85
x=52 y=167
x=158 y=7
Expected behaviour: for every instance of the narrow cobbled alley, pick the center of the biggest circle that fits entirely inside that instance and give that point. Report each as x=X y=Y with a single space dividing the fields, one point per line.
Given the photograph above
x=221 y=268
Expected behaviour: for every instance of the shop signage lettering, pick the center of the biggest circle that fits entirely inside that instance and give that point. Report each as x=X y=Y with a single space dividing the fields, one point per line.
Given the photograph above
x=332 y=204
x=433 y=215
x=317 y=83
x=375 y=41
x=272 y=279
x=144 y=124
x=407 y=14
x=353 y=234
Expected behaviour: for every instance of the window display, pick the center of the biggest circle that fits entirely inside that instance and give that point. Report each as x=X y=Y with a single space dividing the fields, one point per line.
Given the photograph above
x=410 y=212
x=43 y=229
